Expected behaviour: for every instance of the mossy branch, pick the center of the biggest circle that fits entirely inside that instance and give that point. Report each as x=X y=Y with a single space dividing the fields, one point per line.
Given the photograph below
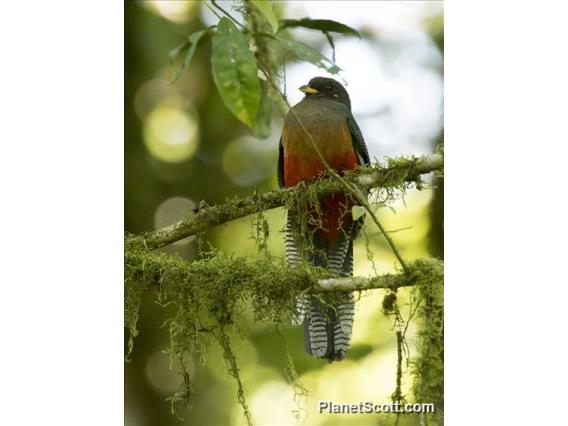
x=294 y=279
x=212 y=291
x=387 y=281
x=397 y=172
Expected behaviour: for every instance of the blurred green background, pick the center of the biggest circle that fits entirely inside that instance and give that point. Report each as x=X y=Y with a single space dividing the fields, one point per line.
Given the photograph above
x=182 y=146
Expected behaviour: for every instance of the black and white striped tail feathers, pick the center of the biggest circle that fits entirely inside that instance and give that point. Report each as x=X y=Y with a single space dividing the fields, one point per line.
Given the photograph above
x=328 y=321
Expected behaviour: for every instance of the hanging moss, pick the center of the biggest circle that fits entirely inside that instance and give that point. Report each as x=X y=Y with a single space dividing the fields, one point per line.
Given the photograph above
x=389 y=303
x=426 y=310
x=261 y=233
x=300 y=392
x=210 y=293
x=217 y=283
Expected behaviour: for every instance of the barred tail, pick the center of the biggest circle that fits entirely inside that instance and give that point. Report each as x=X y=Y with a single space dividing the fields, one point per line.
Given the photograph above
x=293 y=258
x=328 y=321
x=343 y=326
x=328 y=335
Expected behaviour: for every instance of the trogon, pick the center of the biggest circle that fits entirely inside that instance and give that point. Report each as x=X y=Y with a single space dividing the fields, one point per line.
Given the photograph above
x=325 y=113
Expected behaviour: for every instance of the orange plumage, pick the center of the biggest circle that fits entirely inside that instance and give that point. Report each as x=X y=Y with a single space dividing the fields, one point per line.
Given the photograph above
x=301 y=162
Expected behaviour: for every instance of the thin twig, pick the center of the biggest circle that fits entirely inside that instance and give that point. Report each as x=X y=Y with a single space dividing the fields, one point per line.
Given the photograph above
x=213 y=11
x=398 y=391
x=214 y=3
x=393 y=231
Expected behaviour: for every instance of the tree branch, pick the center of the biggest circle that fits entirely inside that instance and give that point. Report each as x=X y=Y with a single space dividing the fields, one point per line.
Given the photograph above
x=391 y=281
x=267 y=277
x=396 y=173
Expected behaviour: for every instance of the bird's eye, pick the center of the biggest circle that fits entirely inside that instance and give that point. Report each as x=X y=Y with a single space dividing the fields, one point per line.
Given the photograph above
x=329 y=88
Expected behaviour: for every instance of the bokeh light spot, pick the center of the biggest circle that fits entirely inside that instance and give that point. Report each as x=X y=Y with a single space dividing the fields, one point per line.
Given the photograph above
x=170 y=134
x=248 y=161
x=173 y=10
x=156 y=92
x=271 y=404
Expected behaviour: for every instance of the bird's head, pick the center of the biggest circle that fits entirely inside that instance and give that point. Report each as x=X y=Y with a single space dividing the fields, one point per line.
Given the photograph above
x=327 y=88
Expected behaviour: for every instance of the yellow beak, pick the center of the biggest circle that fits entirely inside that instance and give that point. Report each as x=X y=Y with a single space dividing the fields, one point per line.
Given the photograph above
x=308 y=89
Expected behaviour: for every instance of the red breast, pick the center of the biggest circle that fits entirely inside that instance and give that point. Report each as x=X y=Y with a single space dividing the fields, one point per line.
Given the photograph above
x=329 y=131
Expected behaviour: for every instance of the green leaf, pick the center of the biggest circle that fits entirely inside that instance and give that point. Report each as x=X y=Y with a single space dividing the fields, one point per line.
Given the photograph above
x=321 y=25
x=174 y=53
x=192 y=41
x=331 y=43
x=307 y=53
x=235 y=72
x=265 y=7
x=358 y=212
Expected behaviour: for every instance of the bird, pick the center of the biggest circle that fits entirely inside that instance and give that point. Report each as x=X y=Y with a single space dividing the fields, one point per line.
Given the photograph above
x=325 y=113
